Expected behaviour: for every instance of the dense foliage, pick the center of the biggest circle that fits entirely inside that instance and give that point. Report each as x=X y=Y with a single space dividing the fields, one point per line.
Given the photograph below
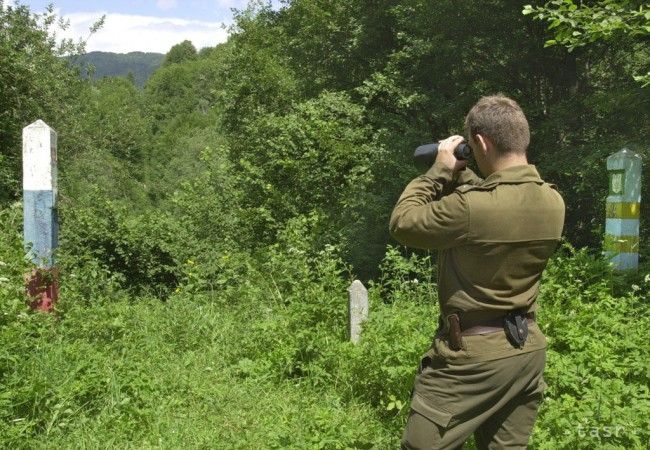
x=34 y=83
x=576 y=25
x=247 y=184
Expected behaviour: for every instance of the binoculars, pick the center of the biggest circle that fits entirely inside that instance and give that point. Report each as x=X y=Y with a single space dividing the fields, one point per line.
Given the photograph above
x=425 y=155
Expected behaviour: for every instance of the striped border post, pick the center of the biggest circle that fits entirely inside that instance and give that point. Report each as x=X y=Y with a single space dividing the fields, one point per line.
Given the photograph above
x=623 y=210
x=40 y=222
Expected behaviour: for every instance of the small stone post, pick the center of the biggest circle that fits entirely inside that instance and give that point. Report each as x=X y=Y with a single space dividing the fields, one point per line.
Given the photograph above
x=40 y=223
x=357 y=309
x=621 y=244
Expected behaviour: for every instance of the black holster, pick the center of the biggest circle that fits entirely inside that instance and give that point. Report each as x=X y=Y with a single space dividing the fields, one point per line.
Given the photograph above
x=515 y=324
x=455 y=342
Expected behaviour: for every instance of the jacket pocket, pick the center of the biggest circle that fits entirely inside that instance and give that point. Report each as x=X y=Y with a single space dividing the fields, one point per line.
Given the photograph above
x=434 y=413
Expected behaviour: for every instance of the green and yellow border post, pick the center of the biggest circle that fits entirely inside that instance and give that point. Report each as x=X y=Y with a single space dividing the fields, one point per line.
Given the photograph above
x=623 y=210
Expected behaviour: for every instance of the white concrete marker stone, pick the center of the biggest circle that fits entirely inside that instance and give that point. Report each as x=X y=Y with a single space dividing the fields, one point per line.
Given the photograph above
x=623 y=210
x=40 y=193
x=357 y=309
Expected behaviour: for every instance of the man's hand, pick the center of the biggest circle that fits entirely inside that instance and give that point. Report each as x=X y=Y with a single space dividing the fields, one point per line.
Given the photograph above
x=446 y=153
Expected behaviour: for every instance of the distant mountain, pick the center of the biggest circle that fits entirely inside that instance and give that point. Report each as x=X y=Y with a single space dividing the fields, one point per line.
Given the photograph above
x=107 y=64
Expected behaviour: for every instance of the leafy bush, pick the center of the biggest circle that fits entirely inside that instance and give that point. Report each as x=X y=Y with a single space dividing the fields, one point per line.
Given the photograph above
x=139 y=250
x=597 y=367
x=316 y=158
x=13 y=265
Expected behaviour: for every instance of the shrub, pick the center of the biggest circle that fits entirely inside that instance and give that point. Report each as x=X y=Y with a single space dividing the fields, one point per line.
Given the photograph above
x=597 y=366
x=141 y=251
x=13 y=265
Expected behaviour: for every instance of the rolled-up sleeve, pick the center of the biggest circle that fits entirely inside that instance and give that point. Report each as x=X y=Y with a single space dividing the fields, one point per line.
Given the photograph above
x=425 y=218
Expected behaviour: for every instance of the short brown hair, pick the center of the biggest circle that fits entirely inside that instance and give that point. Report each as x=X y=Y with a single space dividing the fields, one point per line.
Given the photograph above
x=500 y=119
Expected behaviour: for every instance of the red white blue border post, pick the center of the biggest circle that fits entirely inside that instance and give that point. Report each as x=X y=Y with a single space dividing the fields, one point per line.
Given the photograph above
x=40 y=225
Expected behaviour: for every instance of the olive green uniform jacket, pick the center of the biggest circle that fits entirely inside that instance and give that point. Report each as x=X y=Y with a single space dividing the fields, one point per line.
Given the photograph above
x=494 y=238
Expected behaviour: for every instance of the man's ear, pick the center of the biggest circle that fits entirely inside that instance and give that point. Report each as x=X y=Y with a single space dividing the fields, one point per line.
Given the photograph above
x=483 y=142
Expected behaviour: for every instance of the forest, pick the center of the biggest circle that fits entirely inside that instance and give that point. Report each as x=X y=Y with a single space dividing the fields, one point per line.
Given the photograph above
x=212 y=220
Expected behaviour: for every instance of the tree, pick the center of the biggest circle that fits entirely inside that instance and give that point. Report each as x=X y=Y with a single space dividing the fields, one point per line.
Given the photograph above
x=31 y=83
x=35 y=83
x=185 y=51
x=576 y=25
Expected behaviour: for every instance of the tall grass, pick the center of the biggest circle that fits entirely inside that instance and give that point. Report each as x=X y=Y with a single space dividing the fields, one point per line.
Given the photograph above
x=255 y=355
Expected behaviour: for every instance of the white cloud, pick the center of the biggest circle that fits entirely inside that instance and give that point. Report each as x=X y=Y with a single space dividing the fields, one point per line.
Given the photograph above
x=123 y=33
x=166 y=4
x=239 y=4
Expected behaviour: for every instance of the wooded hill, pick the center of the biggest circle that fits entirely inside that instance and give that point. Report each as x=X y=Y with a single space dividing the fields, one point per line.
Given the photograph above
x=139 y=65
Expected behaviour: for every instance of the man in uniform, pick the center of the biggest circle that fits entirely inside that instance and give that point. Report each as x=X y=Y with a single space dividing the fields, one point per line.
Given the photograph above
x=483 y=372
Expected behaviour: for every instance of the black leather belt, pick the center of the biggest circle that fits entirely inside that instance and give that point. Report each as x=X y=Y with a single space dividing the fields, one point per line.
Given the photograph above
x=457 y=327
x=489 y=326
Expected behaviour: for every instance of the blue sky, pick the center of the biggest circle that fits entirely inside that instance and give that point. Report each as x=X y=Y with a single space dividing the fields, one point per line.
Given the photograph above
x=146 y=25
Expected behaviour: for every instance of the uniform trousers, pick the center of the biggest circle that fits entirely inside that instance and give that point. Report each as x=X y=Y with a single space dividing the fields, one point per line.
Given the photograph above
x=497 y=401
